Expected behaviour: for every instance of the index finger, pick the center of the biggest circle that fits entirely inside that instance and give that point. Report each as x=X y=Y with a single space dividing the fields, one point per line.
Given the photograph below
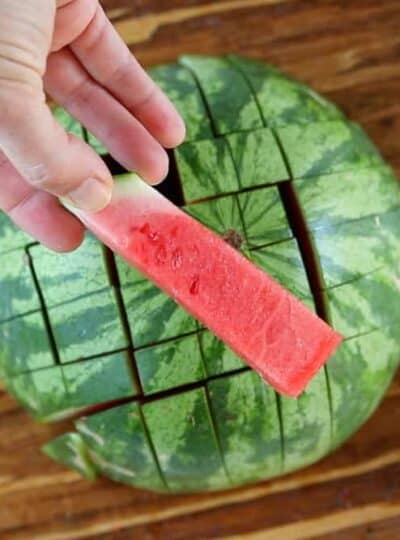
x=109 y=61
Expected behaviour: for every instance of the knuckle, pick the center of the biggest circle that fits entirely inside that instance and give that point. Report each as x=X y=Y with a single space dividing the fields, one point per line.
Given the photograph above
x=39 y=176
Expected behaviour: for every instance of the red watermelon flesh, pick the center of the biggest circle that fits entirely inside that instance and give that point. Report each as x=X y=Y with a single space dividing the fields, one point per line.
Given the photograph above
x=262 y=322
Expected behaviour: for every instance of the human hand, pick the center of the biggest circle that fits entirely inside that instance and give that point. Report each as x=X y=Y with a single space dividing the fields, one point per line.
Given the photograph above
x=69 y=49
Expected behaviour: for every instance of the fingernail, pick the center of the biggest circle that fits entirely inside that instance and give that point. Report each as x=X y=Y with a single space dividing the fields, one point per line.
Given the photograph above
x=92 y=195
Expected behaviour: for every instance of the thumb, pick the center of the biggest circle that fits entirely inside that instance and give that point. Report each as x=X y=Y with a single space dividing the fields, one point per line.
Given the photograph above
x=41 y=151
x=49 y=158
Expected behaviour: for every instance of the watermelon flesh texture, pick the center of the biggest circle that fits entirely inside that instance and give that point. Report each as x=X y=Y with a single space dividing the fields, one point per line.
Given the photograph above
x=262 y=322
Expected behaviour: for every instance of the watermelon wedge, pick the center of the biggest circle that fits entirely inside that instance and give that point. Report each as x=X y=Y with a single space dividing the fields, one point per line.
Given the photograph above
x=262 y=322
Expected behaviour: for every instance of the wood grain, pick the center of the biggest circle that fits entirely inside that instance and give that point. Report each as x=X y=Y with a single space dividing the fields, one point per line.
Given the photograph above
x=350 y=51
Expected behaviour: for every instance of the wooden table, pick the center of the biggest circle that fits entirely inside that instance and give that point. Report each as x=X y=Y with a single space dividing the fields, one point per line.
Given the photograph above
x=349 y=50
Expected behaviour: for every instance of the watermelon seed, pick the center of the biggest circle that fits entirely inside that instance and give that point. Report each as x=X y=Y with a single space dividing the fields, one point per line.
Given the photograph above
x=233 y=238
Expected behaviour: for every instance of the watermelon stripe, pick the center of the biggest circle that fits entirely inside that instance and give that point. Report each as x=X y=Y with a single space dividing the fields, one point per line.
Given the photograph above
x=188 y=453
x=60 y=391
x=81 y=272
x=246 y=420
x=367 y=303
x=114 y=277
x=376 y=191
x=129 y=458
x=358 y=247
x=248 y=149
x=327 y=147
x=152 y=448
x=282 y=260
x=306 y=425
x=24 y=345
x=217 y=357
x=70 y=449
x=17 y=287
x=228 y=96
x=360 y=371
x=43 y=307
x=181 y=87
x=206 y=169
x=87 y=326
x=216 y=433
x=210 y=116
x=281 y=100
x=170 y=365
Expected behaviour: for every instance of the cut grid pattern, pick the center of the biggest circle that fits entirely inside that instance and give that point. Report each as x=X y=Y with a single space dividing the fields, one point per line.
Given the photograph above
x=299 y=230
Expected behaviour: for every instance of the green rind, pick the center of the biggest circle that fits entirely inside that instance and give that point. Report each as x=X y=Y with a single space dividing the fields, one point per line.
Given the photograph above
x=229 y=98
x=352 y=249
x=365 y=304
x=153 y=316
x=66 y=276
x=119 y=448
x=180 y=86
x=18 y=294
x=283 y=101
x=127 y=274
x=70 y=450
x=185 y=443
x=247 y=423
x=170 y=365
x=329 y=200
x=359 y=373
x=99 y=380
x=257 y=158
x=88 y=326
x=218 y=358
x=206 y=169
x=306 y=425
x=25 y=345
x=42 y=392
x=220 y=215
x=73 y=387
x=264 y=217
x=327 y=147
x=283 y=262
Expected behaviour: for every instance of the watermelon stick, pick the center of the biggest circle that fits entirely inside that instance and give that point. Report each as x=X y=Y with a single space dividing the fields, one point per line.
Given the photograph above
x=263 y=323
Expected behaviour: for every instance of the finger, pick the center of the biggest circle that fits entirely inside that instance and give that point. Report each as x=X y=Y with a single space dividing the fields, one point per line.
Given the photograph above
x=36 y=212
x=72 y=17
x=125 y=137
x=108 y=60
x=46 y=156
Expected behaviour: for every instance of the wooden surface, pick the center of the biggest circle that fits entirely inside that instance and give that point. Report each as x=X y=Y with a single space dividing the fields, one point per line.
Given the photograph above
x=349 y=50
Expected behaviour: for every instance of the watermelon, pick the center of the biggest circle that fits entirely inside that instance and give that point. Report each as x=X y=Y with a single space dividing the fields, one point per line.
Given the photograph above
x=159 y=401
x=69 y=449
x=252 y=313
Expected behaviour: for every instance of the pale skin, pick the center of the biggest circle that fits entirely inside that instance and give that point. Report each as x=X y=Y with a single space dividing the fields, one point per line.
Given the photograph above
x=69 y=49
